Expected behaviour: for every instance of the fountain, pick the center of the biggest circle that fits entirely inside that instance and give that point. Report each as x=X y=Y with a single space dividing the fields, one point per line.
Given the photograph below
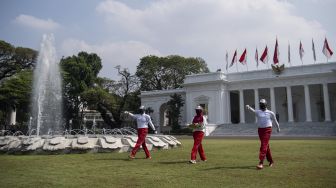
x=46 y=136
x=47 y=91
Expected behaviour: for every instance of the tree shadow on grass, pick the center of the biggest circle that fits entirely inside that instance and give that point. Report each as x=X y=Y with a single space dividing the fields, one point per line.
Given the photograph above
x=231 y=167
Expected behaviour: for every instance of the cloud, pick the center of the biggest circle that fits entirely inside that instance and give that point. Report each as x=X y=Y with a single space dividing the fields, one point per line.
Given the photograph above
x=127 y=54
x=36 y=23
x=209 y=28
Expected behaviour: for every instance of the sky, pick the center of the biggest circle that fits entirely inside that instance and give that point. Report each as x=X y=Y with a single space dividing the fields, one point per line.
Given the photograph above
x=121 y=32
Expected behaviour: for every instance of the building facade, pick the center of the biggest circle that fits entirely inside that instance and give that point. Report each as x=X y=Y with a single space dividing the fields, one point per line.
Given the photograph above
x=297 y=94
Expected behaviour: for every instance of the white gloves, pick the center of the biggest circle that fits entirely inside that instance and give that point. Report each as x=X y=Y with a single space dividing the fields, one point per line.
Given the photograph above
x=248 y=107
x=155 y=132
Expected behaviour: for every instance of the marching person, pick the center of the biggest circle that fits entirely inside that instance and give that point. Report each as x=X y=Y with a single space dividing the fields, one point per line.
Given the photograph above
x=264 y=122
x=198 y=124
x=142 y=124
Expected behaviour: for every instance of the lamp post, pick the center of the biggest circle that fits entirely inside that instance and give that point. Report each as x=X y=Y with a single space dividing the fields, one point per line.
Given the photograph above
x=84 y=121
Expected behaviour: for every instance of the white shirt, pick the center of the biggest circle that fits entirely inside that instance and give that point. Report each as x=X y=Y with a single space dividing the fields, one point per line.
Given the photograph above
x=203 y=127
x=264 y=118
x=142 y=120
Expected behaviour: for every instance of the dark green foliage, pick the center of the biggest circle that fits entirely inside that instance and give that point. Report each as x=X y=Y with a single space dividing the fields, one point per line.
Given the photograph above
x=174 y=111
x=157 y=73
x=79 y=74
x=16 y=65
x=15 y=93
x=99 y=99
x=15 y=59
x=125 y=93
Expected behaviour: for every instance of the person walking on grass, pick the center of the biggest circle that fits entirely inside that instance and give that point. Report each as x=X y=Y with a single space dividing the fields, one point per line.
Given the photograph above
x=198 y=125
x=265 y=118
x=143 y=120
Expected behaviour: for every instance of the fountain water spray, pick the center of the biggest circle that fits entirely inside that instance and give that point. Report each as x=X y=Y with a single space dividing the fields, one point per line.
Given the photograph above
x=47 y=91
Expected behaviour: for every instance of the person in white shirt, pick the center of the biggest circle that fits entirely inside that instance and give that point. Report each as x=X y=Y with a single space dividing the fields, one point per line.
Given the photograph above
x=198 y=125
x=265 y=118
x=143 y=120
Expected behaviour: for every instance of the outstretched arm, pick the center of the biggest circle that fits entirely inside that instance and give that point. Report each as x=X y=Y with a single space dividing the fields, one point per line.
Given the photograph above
x=250 y=108
x=130 y=114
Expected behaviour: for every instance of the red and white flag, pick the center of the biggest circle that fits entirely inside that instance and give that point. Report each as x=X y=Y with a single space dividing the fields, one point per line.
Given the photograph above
x=234 y=58
x=276 y=53
x=301 y=51
x=289 y=57
x=264 y=56
x=326 y=49
x=243 y=57
x=256 y=57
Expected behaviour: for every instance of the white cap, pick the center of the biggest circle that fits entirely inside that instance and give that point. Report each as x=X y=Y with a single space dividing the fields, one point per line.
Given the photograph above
x=198 y=108
x=142 y=107
x=263 y=101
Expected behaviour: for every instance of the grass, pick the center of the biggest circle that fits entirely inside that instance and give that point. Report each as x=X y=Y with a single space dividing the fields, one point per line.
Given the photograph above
x=231 y=163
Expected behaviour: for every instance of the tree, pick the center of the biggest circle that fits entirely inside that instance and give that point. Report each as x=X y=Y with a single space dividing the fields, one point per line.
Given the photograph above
x=174 y=111
x=157 y=73
x=15 y=94
x=15 y=59
x=125 y=92
x=79 y=74
x=99 y=99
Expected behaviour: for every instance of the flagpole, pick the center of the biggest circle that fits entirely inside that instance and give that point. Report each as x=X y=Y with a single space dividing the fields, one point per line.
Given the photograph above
x=237 y=66
x=325 y=38
x=289 y=58
x=268 y=66
x=256 y=56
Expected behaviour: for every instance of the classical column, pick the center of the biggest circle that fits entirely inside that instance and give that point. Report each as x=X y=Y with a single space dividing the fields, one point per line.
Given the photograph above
x=220 y=106
x=241 y=106
x=156 y=119
x=189 y=108
x=256 y=100
x=12 y=120
x=326 y=102
x=307 y=102
x=273 y=108
x=289 y=104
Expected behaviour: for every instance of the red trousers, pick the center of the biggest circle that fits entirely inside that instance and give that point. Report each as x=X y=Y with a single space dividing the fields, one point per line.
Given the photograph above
x=142 y=133
x=264 y=136
x=198 y=137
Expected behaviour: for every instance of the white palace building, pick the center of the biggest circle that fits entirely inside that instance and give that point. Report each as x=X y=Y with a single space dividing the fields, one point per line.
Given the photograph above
x=296 y=94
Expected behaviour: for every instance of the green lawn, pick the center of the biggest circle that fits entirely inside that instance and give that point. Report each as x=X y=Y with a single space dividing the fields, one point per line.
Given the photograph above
x=231 y=163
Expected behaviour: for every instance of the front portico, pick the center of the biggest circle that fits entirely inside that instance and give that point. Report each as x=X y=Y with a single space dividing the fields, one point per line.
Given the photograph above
x=299 y=94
